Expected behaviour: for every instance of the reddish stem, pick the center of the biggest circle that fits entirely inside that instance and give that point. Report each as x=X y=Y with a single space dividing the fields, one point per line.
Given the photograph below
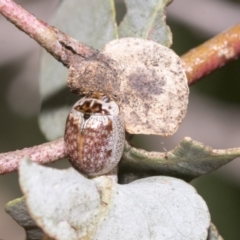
x=42 y=154
x=198 y=62
x=58 y=44
x=212 y=54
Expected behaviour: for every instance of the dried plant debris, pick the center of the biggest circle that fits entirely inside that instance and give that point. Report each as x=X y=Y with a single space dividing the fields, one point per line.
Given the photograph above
x=69 y=206
x=145 y=78
x=99 y=73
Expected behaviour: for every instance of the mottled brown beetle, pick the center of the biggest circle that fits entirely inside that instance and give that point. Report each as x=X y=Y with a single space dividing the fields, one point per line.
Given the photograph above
x=94 y=135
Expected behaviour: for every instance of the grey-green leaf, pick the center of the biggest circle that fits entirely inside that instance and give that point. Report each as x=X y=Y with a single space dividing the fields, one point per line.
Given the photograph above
x=90 y=22
x=189 y=160
x=213 y=233
x=18 y=211
x=69 y=206
x=146 y=19
x=64 y=203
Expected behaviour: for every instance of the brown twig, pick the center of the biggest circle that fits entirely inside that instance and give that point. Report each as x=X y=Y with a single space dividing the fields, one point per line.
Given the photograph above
x=58 y=44
x=42 y=154
x=197 y=63
x=212 y=54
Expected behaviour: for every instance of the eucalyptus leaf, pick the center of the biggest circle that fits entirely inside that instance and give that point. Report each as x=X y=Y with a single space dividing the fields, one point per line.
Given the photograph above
x=90 y=22
x=213 y=233
x=69 y=206
x=146 y=19
x=64 y=203
x=53 y=121
x=17 y=209
x=188 y=160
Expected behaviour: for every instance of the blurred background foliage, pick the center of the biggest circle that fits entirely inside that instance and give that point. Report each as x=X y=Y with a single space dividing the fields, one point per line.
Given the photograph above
x=213 y=115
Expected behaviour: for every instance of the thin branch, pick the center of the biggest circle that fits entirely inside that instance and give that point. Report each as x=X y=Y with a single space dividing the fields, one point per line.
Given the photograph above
x=212 y=54
x=58 y=44
x=197 y=63
x=42 y=154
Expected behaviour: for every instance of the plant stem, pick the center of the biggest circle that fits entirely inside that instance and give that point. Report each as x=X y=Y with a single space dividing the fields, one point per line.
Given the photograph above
x=58 y=44
x=197 y=63
x=42 y=154
x=212 y=54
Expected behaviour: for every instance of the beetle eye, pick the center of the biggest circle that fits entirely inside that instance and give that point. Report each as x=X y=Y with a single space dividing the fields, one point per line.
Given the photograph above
x=105 y=99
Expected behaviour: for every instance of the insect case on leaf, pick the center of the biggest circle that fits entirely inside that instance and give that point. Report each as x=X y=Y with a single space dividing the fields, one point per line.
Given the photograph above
x=94 y=135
